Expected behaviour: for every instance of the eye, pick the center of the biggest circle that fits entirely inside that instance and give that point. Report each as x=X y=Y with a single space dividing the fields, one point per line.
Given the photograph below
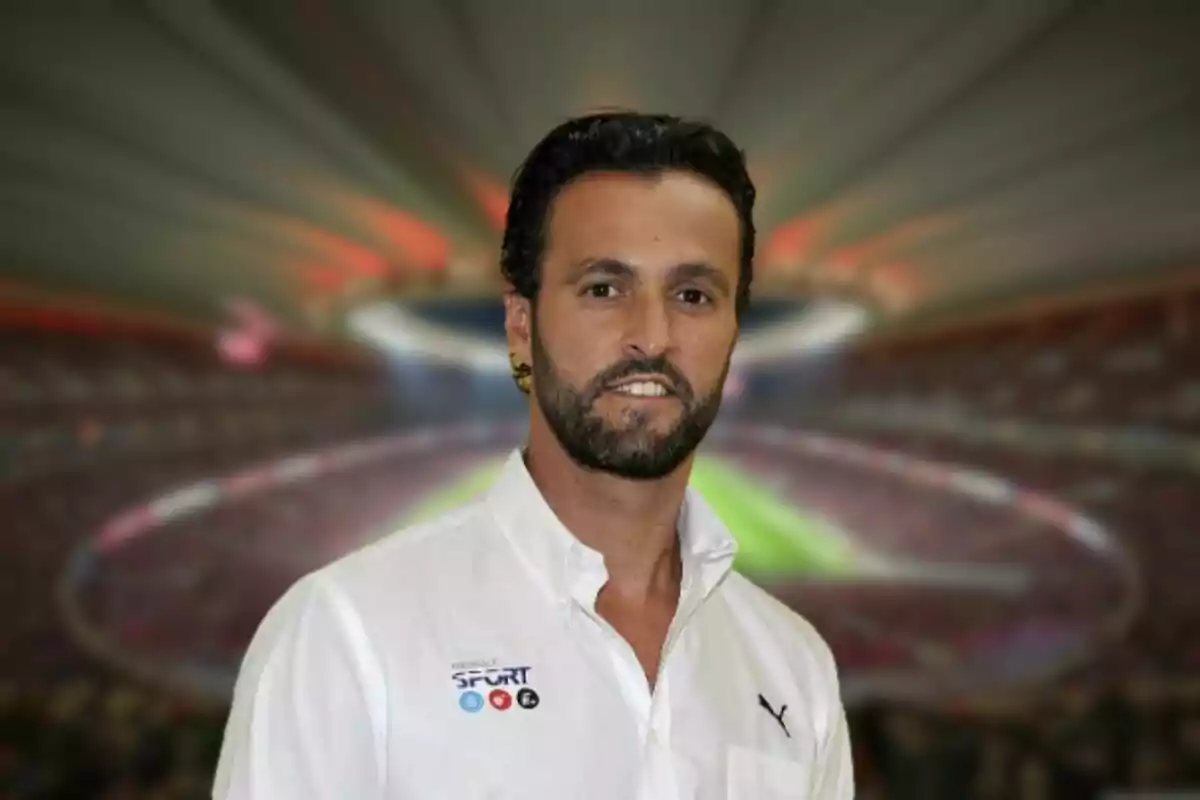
x=694 y=297
x=600 y=291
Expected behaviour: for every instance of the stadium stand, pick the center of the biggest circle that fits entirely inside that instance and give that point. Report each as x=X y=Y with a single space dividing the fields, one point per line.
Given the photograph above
x=92 y=423
x=1110 y=427
x=1096 y=407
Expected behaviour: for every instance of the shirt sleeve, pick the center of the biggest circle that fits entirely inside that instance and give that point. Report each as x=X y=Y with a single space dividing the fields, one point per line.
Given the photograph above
x=306 y=721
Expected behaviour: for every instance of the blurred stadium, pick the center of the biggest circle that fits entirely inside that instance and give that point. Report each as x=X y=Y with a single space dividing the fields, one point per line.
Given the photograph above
x=249 y=321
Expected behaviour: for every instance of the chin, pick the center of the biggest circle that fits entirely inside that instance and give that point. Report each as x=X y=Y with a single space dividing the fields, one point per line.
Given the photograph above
x=649 y=429
x=646 y=439
x=638 y=409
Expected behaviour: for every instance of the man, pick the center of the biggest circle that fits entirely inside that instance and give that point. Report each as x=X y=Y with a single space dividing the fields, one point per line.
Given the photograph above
x=576 y=632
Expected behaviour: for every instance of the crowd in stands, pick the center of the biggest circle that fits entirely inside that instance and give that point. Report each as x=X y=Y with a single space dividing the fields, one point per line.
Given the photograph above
x=103 y=739
x=1132 y=737
x=92 y=423
x=1124 y=363
x=74 y=403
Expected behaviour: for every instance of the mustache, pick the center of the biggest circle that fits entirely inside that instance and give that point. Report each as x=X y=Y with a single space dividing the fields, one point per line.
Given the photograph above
x=658 y=365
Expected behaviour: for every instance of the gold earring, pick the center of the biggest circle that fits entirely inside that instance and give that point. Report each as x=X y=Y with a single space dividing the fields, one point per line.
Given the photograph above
x=522 y=373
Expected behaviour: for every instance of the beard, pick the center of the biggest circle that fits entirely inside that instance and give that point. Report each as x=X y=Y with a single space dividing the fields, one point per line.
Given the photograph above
x=634 y=451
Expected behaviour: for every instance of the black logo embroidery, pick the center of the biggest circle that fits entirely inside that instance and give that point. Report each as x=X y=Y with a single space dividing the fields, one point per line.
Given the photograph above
x=762 y=701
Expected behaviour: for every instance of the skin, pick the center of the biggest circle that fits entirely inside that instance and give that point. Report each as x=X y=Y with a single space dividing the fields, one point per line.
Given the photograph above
x=634 y=268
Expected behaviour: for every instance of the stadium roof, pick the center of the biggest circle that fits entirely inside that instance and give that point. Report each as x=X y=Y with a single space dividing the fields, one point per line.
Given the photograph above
x=311 y=155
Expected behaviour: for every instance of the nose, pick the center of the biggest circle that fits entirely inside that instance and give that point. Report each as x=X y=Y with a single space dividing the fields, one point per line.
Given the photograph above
x=649 y=331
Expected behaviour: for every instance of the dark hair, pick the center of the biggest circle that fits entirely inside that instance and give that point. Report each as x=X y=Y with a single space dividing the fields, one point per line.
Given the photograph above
x=621 y=141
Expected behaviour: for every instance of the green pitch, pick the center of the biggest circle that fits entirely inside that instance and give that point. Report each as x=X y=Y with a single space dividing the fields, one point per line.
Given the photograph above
x=775 y=539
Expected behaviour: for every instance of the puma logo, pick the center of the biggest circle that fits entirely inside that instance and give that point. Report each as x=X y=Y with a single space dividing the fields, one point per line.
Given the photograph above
x=778 y=717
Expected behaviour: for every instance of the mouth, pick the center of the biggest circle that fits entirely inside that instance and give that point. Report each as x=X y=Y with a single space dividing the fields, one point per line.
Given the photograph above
x=643 y=387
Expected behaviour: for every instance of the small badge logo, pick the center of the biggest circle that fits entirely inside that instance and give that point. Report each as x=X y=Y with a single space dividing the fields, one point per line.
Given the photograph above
x=475 y=678
x=528 y=698
x=471 y=702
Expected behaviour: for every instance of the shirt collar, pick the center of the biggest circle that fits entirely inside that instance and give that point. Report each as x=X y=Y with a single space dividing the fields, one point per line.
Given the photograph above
x=569 y=569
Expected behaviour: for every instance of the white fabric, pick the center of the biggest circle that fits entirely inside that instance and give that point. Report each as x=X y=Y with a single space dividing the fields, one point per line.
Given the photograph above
x=351 y=686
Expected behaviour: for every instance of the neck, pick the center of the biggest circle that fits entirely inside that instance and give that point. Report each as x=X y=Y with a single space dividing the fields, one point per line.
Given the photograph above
x=633 y=524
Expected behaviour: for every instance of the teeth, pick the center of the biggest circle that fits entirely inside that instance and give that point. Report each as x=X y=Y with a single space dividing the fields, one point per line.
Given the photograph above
x=643 y=389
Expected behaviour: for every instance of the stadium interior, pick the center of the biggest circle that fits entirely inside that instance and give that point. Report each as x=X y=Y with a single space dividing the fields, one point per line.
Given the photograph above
x=250 y=322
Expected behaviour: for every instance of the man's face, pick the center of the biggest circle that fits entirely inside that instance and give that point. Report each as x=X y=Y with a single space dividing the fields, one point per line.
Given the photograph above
x=635 y=321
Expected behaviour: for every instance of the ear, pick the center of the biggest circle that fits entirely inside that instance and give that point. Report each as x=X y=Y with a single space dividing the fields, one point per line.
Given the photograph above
x=518 y=325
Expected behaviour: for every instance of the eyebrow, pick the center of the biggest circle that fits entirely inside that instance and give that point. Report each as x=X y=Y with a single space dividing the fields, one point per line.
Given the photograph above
x=700 y=270
x=601 y=266
x=615 y=268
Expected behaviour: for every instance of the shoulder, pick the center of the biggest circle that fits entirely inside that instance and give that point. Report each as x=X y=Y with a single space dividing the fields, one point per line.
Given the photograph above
x=791 y=636
x=387 y=580
x=414 y=549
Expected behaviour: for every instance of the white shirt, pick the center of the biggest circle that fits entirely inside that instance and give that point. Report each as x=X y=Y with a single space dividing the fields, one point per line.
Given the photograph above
x=464 y=659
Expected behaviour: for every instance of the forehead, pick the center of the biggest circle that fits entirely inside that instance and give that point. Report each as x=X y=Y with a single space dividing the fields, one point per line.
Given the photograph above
x=644 y=220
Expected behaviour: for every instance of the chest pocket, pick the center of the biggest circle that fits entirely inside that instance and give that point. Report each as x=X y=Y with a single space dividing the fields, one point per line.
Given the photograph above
x=757 y=775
